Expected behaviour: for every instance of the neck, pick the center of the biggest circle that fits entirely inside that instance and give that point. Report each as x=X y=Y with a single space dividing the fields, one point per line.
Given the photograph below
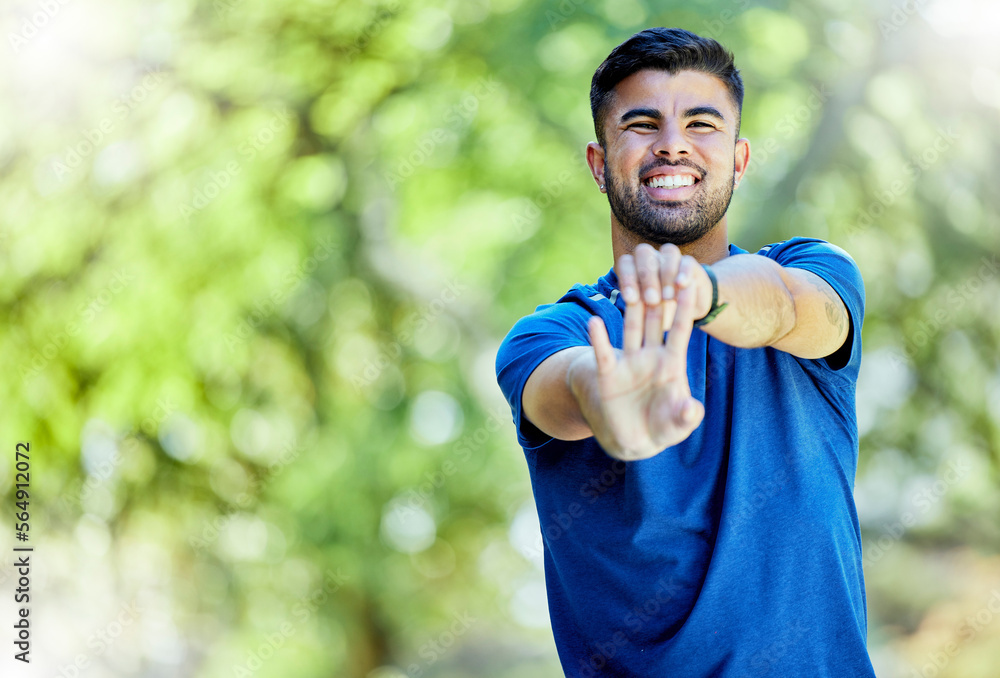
x=707 y=249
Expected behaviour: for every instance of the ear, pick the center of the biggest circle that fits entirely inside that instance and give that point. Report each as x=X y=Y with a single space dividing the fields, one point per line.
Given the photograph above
x=742 y=160
x=595 y=158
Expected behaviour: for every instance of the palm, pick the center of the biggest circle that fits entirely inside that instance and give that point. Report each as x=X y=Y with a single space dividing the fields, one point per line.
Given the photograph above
x=645 y=398
x=644 y=407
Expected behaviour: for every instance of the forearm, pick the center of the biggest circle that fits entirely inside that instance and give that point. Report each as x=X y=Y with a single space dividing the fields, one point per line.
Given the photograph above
x=581 y=382
x=562 y=398
x=761 y=309
x=547 y=400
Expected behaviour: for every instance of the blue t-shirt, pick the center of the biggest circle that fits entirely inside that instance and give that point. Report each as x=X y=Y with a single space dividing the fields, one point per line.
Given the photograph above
x=734 y=553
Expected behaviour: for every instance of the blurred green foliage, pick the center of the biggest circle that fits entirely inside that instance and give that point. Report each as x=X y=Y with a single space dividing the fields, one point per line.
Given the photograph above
x=256 y=259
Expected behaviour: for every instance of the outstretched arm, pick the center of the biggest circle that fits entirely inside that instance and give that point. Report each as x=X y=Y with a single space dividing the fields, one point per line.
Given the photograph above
x=570 y=396
x=790 y=309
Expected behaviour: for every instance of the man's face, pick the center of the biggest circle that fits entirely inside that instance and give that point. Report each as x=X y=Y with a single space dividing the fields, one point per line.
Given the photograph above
x=671 y=156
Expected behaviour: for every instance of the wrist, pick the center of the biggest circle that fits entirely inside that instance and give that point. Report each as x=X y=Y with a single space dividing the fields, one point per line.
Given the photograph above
x=703 y=292
x=713 y=306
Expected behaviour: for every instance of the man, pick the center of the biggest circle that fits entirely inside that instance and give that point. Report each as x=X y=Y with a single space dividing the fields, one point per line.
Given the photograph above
x=694 y=486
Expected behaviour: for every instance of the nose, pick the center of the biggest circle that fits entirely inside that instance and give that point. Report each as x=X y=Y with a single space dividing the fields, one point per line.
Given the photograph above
x=671 y=142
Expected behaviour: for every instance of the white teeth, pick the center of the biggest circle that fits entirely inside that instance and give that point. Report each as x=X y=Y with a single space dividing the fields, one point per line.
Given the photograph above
x=663 y=181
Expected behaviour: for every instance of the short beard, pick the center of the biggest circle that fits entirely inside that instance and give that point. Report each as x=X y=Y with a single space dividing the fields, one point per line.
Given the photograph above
x=677 y=222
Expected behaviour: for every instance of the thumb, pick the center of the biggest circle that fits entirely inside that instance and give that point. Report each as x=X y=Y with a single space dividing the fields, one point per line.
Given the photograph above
x=692 y=412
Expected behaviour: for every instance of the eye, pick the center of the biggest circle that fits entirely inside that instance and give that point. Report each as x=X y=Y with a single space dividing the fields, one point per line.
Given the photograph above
x=702 y=123
x=644 y=125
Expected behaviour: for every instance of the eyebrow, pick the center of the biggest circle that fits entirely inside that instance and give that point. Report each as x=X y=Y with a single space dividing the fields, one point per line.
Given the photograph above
x=656 y=115
x=641 y=113
x=710 y=111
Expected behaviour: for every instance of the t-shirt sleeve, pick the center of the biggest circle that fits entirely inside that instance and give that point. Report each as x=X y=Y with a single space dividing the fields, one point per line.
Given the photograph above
x=837 y=268
x=550 y=329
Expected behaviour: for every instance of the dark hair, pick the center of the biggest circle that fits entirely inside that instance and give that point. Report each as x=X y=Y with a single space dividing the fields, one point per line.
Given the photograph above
x=667 y=49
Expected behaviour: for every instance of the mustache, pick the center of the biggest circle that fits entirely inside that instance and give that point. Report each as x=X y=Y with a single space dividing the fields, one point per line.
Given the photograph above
x=683 y=162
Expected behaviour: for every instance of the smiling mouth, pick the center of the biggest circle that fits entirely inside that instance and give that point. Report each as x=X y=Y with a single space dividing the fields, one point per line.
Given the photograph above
x=670 y=181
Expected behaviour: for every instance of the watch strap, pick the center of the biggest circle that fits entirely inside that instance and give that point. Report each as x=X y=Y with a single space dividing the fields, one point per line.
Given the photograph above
x=716 y=308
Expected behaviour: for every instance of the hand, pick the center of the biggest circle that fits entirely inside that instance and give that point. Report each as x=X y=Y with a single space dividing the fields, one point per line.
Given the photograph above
x=657 y=276
x=643 y=402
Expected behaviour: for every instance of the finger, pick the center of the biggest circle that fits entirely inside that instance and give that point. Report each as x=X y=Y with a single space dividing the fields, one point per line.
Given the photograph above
x=627 y=279
x=632 y=338
x=647 y=264
x=684 y=272
x=674 y=363
x=654 y=325
x=692 y=413
x=603 y=350
x=669 y=311
x=670 y=259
